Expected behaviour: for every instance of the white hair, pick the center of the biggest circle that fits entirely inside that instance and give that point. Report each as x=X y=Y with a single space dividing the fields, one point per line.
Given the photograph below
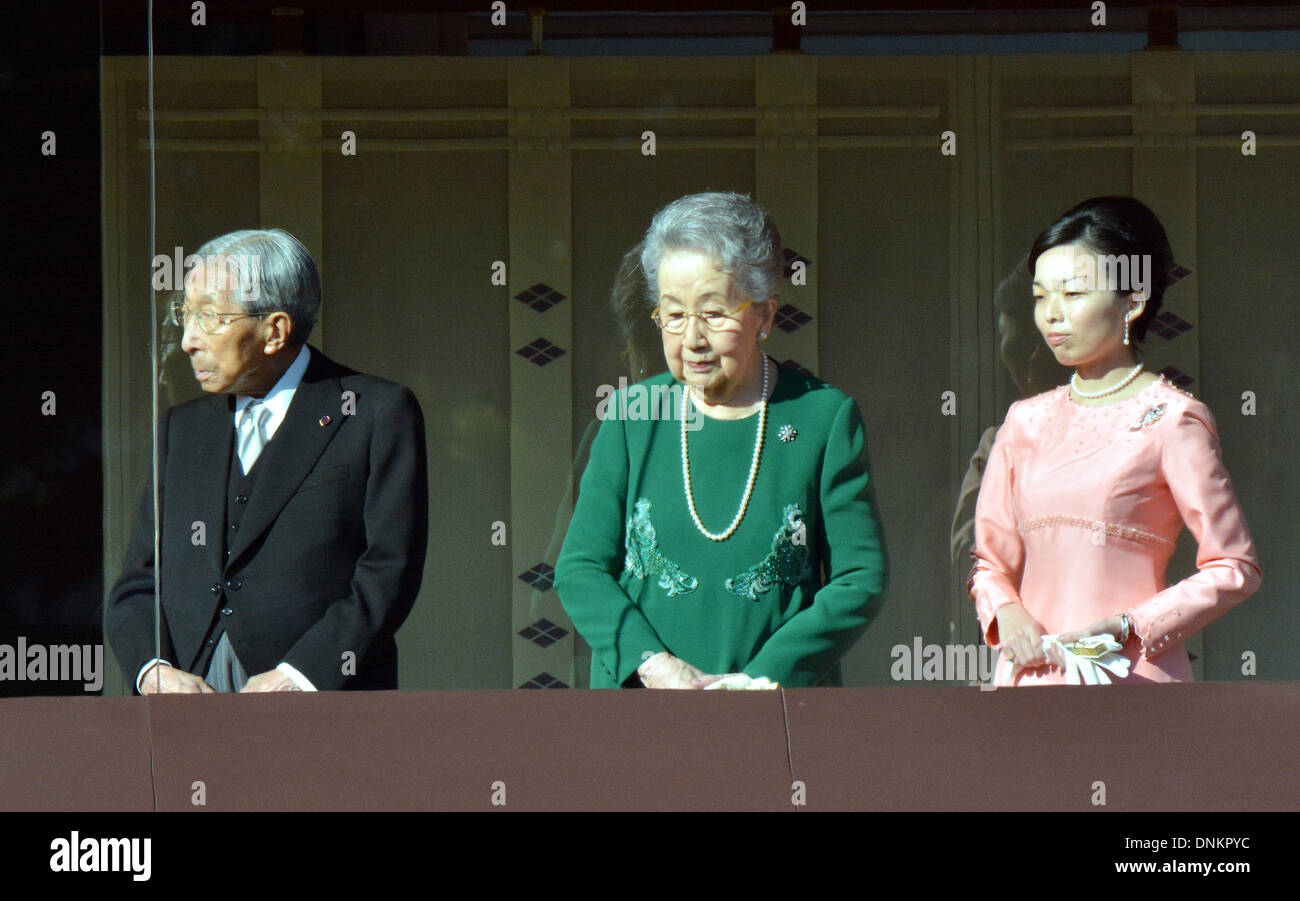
x=733 y=231
x=271 y=272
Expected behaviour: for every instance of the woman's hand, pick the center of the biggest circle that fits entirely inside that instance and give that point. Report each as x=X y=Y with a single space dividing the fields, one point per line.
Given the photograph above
x=1021 y=638
x=1112 y=626
x=709 y=679
x=663 y=670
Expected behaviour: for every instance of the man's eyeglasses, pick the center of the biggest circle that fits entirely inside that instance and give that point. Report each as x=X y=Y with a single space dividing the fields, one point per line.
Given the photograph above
x=674 y=322
x=210 y=321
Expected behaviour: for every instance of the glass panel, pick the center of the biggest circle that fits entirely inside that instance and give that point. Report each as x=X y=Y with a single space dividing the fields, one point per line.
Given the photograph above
x=469 y=211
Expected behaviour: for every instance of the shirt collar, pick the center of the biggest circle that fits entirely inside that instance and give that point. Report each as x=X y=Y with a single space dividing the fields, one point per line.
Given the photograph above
x=280 y=396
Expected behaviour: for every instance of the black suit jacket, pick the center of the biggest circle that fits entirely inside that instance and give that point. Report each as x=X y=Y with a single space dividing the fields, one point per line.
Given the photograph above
x=330 y=551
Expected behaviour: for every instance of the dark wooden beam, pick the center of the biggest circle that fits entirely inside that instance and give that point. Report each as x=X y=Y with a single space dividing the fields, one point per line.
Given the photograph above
x=1162 y=26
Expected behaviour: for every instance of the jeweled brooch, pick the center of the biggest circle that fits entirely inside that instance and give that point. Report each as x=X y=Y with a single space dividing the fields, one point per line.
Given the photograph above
x=1149 y=417
x=787 y=433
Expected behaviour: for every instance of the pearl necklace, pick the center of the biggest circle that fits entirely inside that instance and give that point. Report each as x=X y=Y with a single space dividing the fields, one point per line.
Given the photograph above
x=753 y=466
x=1128 y=380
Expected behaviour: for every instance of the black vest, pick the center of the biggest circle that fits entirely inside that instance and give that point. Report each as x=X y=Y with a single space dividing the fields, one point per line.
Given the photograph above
x=239 y=488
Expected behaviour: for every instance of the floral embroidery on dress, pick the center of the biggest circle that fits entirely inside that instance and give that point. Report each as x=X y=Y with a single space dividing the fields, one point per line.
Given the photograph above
x=787 y=562
x=1149 y=417
x=644 y=559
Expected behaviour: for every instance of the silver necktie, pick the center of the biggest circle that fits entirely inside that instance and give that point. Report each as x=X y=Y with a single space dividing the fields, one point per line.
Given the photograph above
x=252 y=433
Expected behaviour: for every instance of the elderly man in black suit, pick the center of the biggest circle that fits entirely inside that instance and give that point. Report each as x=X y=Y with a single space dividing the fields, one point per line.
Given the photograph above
x=294 y=497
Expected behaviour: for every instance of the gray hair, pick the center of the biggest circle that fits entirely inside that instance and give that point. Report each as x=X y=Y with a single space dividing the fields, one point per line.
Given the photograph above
x=271 y=271
x=730 y=229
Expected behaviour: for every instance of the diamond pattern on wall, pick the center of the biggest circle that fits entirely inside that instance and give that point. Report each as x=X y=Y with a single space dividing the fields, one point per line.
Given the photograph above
x=1178 y=273
x=1169 y=326
x=541 y=576
x=791 y=258
x=540 y=297
x=541 y=352
x=543 y=633
x=1176 y=376
x=790 y=317
x=543 y=680
x=795 y=364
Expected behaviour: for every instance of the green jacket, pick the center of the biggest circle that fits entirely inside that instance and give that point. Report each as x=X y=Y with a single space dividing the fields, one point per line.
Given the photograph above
x=784 y=597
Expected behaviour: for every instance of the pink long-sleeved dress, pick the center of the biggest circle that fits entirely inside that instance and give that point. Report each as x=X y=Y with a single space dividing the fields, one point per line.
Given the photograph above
x=1078 y=512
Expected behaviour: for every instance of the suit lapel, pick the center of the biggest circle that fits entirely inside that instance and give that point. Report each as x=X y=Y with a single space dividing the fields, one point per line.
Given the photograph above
x=313 y=418
x=198 y=458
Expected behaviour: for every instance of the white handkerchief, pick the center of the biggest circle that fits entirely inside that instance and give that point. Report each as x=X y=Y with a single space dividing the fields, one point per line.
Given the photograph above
x=741 y=682
x=1087 y=660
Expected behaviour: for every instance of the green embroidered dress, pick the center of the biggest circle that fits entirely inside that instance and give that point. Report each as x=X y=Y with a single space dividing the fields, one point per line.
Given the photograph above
x=784 y=597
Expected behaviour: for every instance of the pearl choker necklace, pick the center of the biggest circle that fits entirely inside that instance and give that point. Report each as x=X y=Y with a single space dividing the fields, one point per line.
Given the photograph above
x=753 y=466
x=1090 y=395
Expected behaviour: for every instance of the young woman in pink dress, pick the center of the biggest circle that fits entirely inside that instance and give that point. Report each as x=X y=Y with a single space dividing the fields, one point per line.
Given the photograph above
x=1088 y=485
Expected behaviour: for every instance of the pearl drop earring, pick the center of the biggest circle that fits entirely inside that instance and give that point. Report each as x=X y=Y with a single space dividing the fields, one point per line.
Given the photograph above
x=1126 y=331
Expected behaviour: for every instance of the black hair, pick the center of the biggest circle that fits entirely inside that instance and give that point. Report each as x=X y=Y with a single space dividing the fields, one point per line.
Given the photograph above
x=1115 y=226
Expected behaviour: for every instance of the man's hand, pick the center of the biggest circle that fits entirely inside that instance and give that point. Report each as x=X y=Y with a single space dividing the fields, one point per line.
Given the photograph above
x=163 y=679
x=663 y=670
x=271 y=680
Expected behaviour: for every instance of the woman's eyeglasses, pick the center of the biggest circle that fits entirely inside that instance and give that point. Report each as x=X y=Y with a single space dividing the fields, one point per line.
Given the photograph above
x=674 y=322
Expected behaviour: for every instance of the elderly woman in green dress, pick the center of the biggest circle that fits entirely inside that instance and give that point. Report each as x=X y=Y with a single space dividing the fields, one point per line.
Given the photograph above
x=738 y=536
